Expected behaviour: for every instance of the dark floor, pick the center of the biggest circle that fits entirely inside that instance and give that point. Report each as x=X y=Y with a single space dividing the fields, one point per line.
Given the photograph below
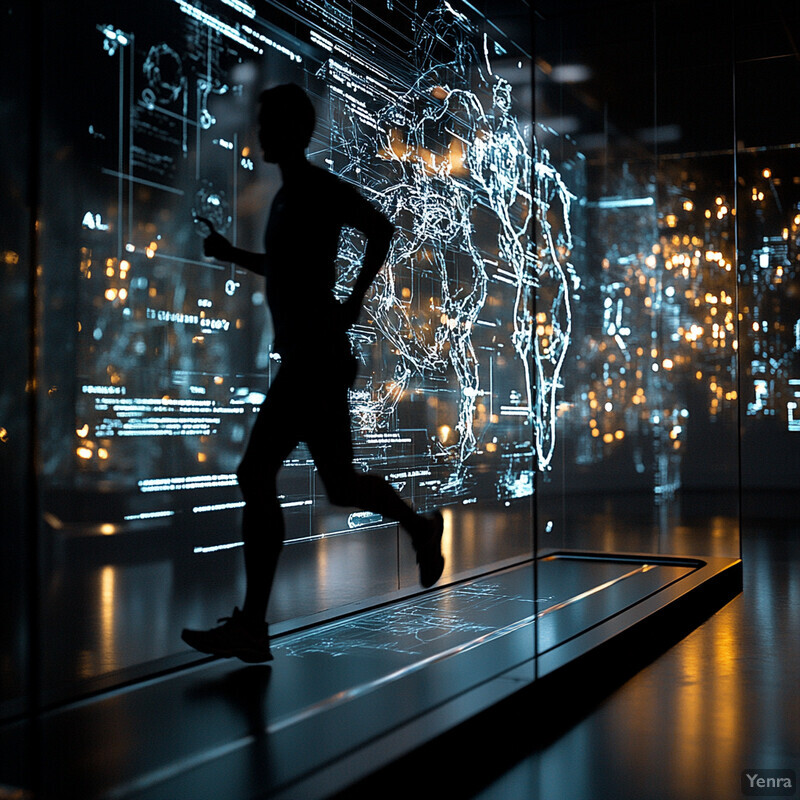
x=723 y=700
x=339 y=692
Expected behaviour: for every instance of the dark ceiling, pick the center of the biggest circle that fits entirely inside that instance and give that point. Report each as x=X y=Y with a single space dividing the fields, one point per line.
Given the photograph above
x=674 y=75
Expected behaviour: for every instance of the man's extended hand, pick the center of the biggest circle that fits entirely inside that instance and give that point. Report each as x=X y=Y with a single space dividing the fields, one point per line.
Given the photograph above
x=215 y=245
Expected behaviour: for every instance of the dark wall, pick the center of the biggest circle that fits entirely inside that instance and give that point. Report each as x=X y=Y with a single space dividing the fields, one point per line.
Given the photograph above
x=16 y=270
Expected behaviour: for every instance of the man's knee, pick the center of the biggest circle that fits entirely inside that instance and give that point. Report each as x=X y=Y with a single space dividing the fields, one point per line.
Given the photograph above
x=246 y=479
x=256 y=482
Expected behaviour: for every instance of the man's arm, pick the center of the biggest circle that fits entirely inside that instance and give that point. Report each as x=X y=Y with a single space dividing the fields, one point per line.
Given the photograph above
x=215 y=245
x=379 y=231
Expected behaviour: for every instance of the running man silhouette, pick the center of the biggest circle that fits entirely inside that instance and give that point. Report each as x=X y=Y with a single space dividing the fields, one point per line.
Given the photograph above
x=308 y=398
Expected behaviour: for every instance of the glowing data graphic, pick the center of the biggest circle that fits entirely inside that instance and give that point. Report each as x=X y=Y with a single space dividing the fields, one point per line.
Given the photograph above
x=466 y=331
x=521 y=308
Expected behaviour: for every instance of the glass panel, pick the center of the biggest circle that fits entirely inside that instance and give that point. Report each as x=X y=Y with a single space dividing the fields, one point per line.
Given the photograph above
x=646 y=458
x=697 y=208
x=768 y=224
x=157 y=358
x=15 y=332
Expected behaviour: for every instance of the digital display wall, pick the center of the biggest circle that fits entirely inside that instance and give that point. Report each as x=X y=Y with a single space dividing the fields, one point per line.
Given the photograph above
x=559 y=306
x=659 y=354
x=650 y=392
x=769 y=236
x=456 y=392
x=559 y=310
x=155 y=359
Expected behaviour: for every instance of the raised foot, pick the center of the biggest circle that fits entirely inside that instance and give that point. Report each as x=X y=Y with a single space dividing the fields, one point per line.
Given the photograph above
x=428 y=545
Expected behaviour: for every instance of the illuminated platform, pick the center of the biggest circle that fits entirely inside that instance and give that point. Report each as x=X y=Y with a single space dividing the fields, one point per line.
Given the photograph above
x=345 y=698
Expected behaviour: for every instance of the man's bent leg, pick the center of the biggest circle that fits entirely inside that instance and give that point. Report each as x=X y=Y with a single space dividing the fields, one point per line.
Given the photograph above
x=346 y=487
x=332 y=450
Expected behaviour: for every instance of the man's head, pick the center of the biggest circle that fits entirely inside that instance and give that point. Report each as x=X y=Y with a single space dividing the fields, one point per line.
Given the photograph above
x=286 y=121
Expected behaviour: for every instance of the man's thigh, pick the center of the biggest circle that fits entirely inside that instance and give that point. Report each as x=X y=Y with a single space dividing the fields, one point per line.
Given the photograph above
x=329 y=437
x=304 y=405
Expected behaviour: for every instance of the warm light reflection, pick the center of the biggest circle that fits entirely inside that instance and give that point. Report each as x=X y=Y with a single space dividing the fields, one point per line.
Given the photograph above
x=447 y=535
x=711 y=709
x=109 y=656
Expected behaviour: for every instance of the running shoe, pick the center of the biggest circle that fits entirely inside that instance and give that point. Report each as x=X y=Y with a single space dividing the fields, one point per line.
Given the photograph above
x=232 y=639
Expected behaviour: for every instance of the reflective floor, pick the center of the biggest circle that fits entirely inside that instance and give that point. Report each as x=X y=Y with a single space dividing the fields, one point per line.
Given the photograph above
x=111 y=605
x=723 y=700
x=223 y=729
x=134 y=592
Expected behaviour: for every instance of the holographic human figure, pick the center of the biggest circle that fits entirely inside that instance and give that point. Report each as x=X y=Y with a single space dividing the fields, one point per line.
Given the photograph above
x=450 y=159
x=432 y=127
x=556 y=282
x=308 y=399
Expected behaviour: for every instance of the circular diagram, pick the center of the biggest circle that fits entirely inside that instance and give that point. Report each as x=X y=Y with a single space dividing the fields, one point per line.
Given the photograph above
x=211 y=204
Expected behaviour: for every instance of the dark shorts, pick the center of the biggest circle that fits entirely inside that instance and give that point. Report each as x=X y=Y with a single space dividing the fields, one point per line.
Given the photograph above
x=307 y=402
